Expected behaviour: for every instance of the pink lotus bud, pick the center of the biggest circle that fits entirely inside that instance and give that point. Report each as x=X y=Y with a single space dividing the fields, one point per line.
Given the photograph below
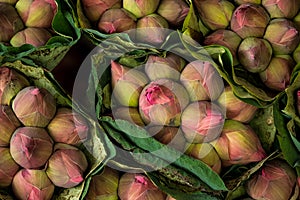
x=162 y=101
x=11 y=82
x=227 y=39
x=235 y=108
x=238 y=144
x=281 y=8
x=169 y=67
x=29 y=184
x=34 y=106
x=138 y=187
x=66 y=166
x=31 y=147
x=94 y=9
x=141 y=8
x=116 y=20
x=255 y=54
x=68 y=127
x=8 y=167
x=174 y=11
x=202 y=121
x=206 y=153
x=130 y=114
x=283 y=36
x=127 y=84
x=202 y=81
x=8 y=124
x=35 y=36
x=249 y=20
x=37 y=13
x=275 y=180
x=278 y=73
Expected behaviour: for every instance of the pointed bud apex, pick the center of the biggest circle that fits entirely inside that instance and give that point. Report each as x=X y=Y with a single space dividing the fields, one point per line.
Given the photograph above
x=281 y=8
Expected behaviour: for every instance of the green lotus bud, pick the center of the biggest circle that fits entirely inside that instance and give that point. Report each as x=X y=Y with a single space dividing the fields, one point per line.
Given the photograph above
x=104 y=186
x=35 y=36
x=202 y=121
x=239 y=2
x=138 y=187
x=202 y=81
x=255 y=54
x=31 y=147
x=66 y=166
x=278 y=73
x=221 y=15
x=206 y=153
x=37 y=13
x=296 y=54
x=169 y=67
x=68 y=127
x=116 y=20
x=8 y=167
x=127 y=84
x=281 y=8
x=32 y=184
x=238 y=144
x=94 y=9
x=226 y=38
x=12 y=2
x=34 y=106
x=174 y=11
x=141 y=8
x=235 y=108
x=171 y=136
x=249 y=20
x=283 y=36
x=11 y=82
x=10 y=22
x=162 y=101
x=275 y=180
x=129 y=114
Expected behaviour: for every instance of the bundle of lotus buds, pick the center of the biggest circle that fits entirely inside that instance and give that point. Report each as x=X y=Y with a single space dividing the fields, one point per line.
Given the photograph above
x=40 y=142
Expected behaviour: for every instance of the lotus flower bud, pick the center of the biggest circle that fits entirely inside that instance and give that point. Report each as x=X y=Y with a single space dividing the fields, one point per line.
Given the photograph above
x=221 y=15
x=162 y=101
x=66 y=166
x=12 y=2
x=116 y=20
x=8 y=124
x=249 y=20
x=227 y=39
x=296 y=20
x=10 y=22
x=169 y=67
x=202 y=121
x=255 y=54
x=8 y=167
x=34 y=106
x=68 y=127
x=94 y=9
x=138 y=187
x=152 y=29
x=278 y=73
x=104 y=186
x=235 y=108
x=37 y=13
x=35 y=36
x=171 y=136
x=31 y=147
x=275 y=180
x=202 y=81
x=281 y=8
x=141 y=8
x=239 y=2
x=296 y=54
x=283 y=36
x=206 y=153
x=174 y=11
x=238 y=144
x=32 y=184
x=129 y=114
x=127 y=84
x=11 y=82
